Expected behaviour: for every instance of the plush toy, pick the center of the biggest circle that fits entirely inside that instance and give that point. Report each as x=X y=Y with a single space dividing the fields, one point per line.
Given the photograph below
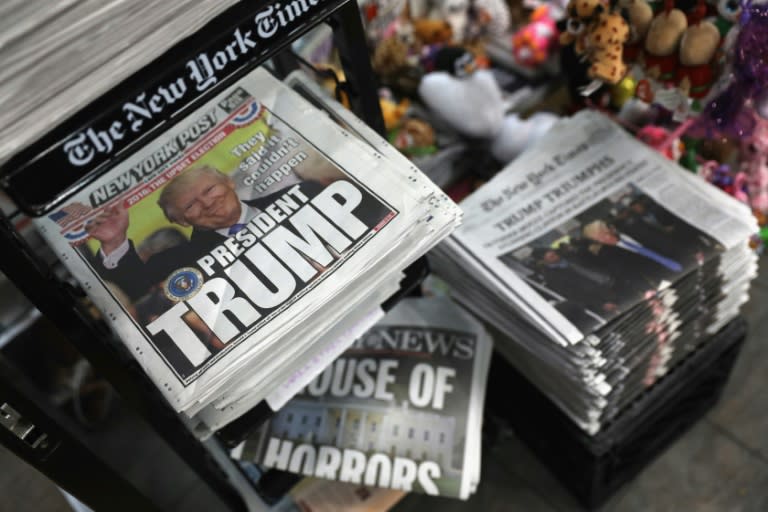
x=721 y=176
x=396 y=57
x=639 y=15
x=728 y=12
x=516 y=134
x=604 y=47
x=533 y=44
x=468 y=19
x=658 y=138
x=454 y=60
x=662 y=42
x=413 y=137
x=432 y=31
x=497 y=16
x=746 y=87
x=754 y=163
x=473 y=106
x=470 y=105
x=393 y=112
x=579 y=15
x=698 y=46
x=390 y=57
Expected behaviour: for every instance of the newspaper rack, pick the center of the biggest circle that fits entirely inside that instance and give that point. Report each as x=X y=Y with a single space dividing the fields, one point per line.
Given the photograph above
x=40 y=177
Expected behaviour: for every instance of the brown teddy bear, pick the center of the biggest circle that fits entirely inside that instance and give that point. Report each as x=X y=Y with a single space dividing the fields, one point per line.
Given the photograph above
x=432 y=31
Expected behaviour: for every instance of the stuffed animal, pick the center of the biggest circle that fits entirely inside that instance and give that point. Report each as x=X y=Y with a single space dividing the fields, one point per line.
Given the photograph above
x=662 y=42
x=455 y=60
x=533 y=44
x=604 y=48
x=580 y=15
x=728 y=14
x=698 y=46
x=721 y=176
x=390 y=57
x=413 y=137
x=432 y=31
x=639 y=15
x=658 y=138
x=468 y=19
x=517 y=134
x=471 y=105
x=393 y=112
x=754 y=163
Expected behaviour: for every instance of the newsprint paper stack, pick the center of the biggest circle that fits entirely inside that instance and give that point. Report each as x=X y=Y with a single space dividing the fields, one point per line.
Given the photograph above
x=402 y=408
x=602 y=263
x=243 y=249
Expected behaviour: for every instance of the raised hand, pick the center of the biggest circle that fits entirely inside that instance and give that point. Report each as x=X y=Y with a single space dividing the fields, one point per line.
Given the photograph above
x=110 y=228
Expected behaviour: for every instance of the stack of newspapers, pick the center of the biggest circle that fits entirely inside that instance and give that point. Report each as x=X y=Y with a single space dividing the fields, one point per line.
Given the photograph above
x=401 y=409
x=601 y=263
x=240 y=251
x=59 y=56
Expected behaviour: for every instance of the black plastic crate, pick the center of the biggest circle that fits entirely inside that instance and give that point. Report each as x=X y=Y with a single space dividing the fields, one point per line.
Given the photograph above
x=592 y=468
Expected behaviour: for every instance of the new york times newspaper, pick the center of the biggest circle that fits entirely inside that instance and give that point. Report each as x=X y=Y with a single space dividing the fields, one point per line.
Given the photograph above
x=585 y=224
x=202 y=244
x=400 y=409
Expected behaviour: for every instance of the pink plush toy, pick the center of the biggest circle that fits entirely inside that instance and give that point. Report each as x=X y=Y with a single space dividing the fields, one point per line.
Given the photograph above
x=754 y=163
x=662 y=140
x=720 y=175
x=533 y=44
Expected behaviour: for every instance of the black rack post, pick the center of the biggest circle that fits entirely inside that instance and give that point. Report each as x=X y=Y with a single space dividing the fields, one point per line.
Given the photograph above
x=362 y=87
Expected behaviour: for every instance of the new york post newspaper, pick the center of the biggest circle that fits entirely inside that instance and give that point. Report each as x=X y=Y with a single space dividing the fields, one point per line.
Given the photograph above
x=231 y=230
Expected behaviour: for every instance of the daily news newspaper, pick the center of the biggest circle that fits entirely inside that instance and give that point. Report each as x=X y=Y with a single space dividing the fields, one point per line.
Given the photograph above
x=576 y=231
x=400 y=409
x=190 y=296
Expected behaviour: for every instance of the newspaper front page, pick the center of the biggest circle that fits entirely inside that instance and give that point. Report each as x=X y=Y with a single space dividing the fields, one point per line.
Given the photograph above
x=235 y=224
x=577 y=230
x=401 y=408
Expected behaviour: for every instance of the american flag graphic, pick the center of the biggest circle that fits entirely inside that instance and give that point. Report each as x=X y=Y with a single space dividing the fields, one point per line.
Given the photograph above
x=70 y=214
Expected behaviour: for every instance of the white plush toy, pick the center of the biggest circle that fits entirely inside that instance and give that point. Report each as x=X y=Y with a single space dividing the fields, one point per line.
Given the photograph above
x=474 y=107
x=516 y=134
x=470 y=105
